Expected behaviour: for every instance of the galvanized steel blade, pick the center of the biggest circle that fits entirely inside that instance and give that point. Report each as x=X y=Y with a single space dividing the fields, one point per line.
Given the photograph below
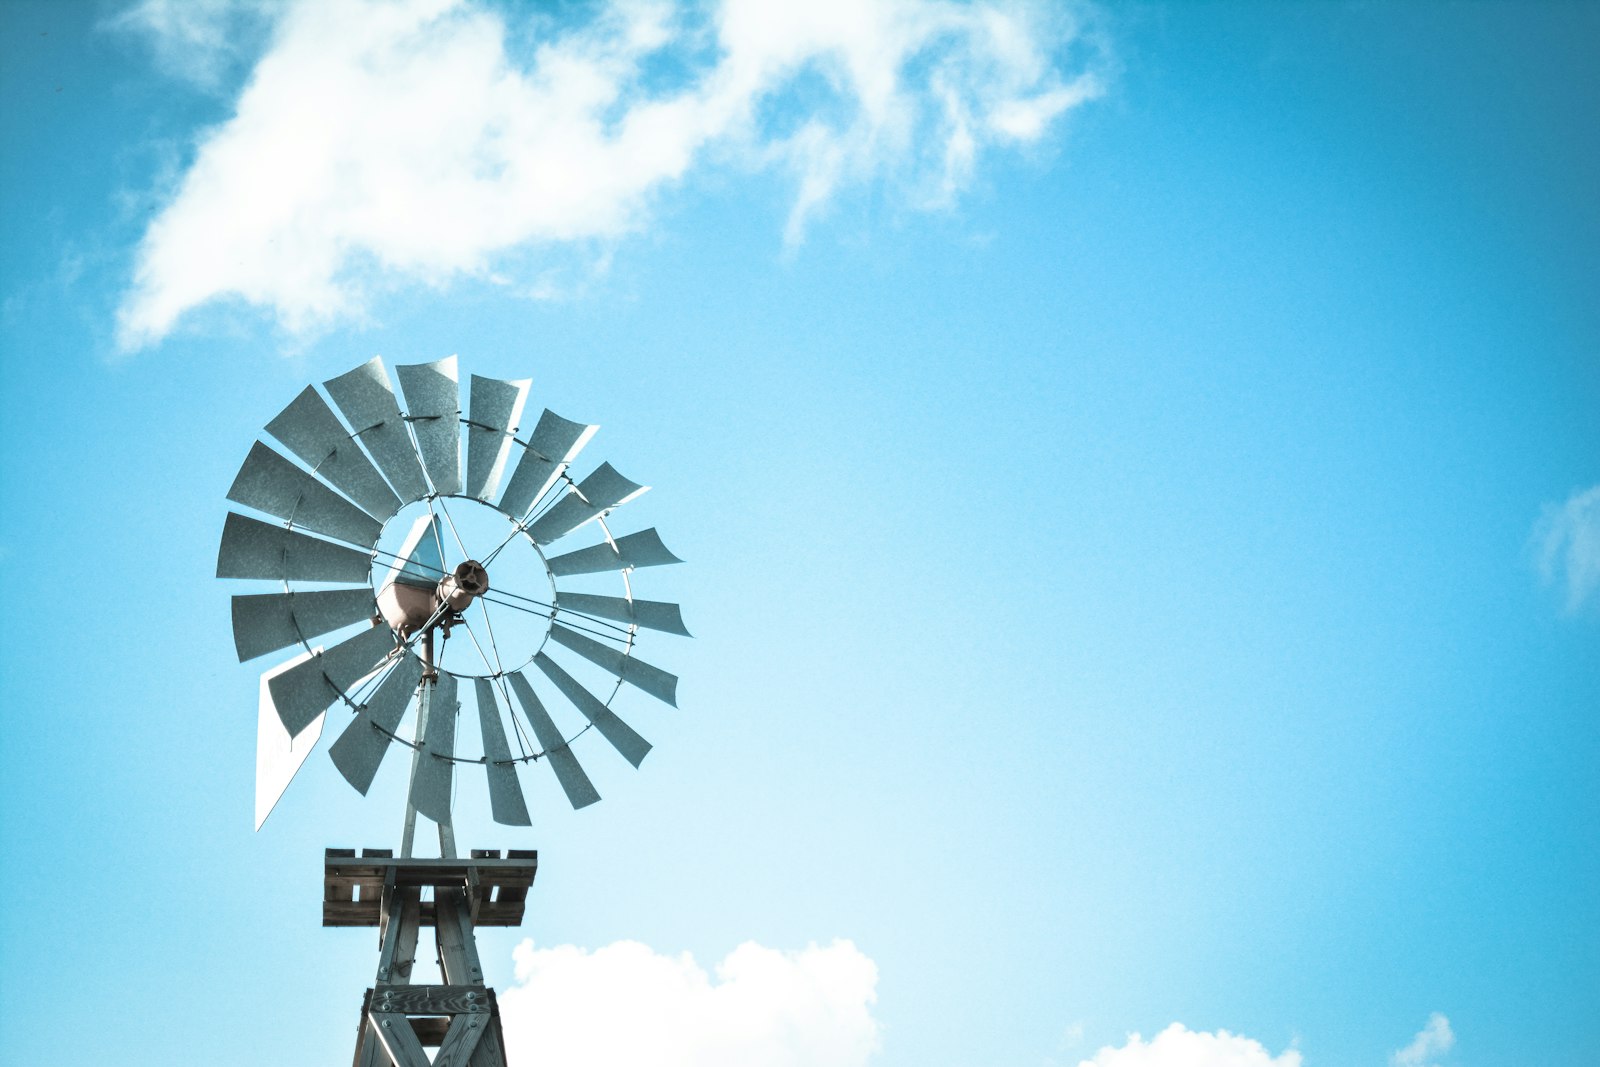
x=363 y=744
x=653 y=680
x=431 y=778
x=623 y=738
x=367 y=400
x=651 y=614
x=505 y=792
x=304 y=692
x=580 y=791
x=494 y=408
x=255 y=549
x=269 y=621
x=554 y=443
x=642 y=549
x=310 y=429
x=270 y=483
x=433 y=406
x=593 y=497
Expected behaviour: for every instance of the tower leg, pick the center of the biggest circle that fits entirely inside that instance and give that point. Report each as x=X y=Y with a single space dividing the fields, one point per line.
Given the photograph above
x=460 y=1017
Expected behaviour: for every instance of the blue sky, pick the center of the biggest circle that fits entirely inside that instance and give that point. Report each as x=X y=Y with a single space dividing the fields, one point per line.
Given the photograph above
x=1139 y=478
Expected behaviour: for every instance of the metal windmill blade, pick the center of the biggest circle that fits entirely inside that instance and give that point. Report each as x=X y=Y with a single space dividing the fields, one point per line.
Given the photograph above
x=376 y=533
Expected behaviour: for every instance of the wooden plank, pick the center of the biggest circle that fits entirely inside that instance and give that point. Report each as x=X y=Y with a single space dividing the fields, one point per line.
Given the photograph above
x=397 y=950
x=369 y=1050
x=431 y=999
x=399 y=1040
x=366 y=913
x=458 y=948
x=491 y=1050
x=353 y=887
x=460 y=1041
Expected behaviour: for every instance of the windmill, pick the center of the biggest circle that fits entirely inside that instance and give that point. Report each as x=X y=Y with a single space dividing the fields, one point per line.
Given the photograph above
x=402 y=581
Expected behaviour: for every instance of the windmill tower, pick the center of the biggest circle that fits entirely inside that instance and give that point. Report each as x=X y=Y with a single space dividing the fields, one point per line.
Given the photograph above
x=402 y=582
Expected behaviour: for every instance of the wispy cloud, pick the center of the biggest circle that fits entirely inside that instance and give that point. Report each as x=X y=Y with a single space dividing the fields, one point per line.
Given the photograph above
x=1431 y=1042
x=1567 y=540
x=625 y=1005
x=418 y=141
x=1178 y=1046
x=199 y=40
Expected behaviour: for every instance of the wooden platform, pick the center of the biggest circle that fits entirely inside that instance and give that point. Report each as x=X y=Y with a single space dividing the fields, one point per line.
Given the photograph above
x=496 y=886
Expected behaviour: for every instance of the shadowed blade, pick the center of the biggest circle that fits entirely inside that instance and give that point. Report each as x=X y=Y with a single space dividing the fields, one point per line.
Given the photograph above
x=303 y=692
x=505 y=792
x=270 y=621
x=554 y=443
x=651 y=614
x=622 y=736
x=363 y=744
x=580 y=791
x=309 y=429
x=431 y=778
x=367 y=400
x=270 y=483
x=593 y=497
x=433 y=404
x=642 y=549
x=494 y=409
x=255 y=549
x=653 y=680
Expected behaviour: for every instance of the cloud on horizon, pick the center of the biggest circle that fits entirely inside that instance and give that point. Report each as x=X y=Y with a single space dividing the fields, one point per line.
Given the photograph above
x=1432 y=1041
x=626 y=1005
x=1178 y=1046
x=1567 y=541
x=416 y=142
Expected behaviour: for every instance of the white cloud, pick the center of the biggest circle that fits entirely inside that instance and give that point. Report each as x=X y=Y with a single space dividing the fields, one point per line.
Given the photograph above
x=1432 y=1041
x=1568 y=543
x=626 y=1005
x=1178 y=1046
x=417 y=141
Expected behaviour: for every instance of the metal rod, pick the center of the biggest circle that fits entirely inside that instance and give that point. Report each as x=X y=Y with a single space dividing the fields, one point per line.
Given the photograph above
x=409 y=834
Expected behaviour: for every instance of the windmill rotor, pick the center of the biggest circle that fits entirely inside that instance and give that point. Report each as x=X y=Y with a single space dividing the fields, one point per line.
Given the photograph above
x=418 y=553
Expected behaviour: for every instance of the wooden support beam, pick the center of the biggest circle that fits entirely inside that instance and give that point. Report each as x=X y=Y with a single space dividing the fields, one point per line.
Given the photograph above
x=458 y=947
x=459 y=1017
x=353 y=886
x=397 y=944
x=399 y=1040
x=432 y=999
x=461 y=1041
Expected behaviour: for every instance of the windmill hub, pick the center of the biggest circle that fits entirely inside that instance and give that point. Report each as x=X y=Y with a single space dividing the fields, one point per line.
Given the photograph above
x=458 y=588
x=410 y=606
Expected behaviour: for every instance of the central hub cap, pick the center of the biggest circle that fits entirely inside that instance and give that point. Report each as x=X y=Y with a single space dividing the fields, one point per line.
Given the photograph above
x=458 y=588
